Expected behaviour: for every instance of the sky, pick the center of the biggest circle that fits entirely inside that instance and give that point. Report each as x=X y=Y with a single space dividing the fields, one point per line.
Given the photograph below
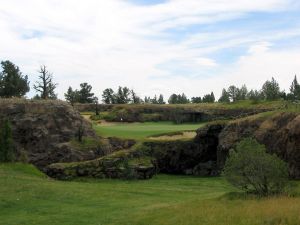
x=153 y=46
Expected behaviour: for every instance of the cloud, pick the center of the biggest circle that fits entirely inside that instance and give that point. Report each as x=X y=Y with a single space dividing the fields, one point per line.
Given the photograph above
x=117 y=42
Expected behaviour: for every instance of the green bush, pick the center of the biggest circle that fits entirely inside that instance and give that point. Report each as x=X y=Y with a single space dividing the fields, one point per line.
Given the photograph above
x=7 y=153
x=253 y=170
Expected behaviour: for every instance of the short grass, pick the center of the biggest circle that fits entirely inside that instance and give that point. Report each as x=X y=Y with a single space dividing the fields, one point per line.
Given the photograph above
x=140 y=131
x=27 y=197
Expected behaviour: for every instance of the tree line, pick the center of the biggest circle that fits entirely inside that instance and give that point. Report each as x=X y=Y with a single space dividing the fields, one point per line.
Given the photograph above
x=14 y=84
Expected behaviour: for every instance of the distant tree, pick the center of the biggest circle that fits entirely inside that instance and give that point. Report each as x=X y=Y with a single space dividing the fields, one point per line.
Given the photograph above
x=251 y=169
x=7 y=153
x=178 y=99
x=173 y=99
x=84 y=94
x=213 y=99
x=196 y=100
x=12 y=82
x=209 y=98
x=154 y=100
x=242 y=93
x=225 y=98
x=183 y=99
x=134 y=98
x=147 y=100
x=123 y=95
x=108 y=96
x=295 y=89
x=72 y=96
x=161 y=100
x=45 y=85
x=255 y=95
x=233 y=92
x=271 y=90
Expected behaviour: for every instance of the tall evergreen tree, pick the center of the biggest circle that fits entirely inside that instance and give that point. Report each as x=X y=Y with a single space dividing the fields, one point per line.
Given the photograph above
x=233 y=92
x=123 y=95
x=108 y=96
x=295 y=89
x=161 y=99
x=12 y=82
x=225 y=98
x=72 y=96
x=209 y=98
x=134 y=98
x=154 y=100
x=147 y=100
x=84 y=94
x=242 y=93
x=271 y=90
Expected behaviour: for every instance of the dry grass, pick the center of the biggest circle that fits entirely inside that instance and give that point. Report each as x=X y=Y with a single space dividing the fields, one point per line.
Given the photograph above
x=268 y=211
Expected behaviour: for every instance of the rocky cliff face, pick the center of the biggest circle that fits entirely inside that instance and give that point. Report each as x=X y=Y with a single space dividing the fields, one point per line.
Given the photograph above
x=44 y=131
x=280 y=133
x=191 y=157
x=206 y=154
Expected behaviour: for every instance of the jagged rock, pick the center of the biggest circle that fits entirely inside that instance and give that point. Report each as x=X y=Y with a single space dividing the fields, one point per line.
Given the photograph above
x=189 y=157
x=280 y=133
x=43 y=129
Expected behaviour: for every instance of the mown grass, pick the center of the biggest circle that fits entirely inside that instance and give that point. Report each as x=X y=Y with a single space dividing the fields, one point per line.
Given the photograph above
x=140 y=131
x=28 y=198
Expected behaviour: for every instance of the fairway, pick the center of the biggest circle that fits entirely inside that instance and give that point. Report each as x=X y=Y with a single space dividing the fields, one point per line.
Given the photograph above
x=28 y=198
x=141 y=131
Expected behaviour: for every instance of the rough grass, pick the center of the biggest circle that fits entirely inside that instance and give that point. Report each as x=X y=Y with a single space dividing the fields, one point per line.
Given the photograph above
x=28 y=198
x=140 y=131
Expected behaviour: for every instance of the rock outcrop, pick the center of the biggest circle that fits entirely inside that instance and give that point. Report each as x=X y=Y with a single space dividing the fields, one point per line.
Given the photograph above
x=126 y=164
x=207 y=153
x=280 y=133
x=191 y=157
x=45 y=131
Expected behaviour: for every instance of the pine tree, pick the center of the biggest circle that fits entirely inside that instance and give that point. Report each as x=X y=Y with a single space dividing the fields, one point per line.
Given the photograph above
x=12 y=82
x=224 y=97
x=71 y=96
x=295 y=89
x=161 y=99
x=271 y=90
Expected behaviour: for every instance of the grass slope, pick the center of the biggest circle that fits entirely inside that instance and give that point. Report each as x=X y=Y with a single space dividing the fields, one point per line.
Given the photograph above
x=140 y=131
x=28 y=198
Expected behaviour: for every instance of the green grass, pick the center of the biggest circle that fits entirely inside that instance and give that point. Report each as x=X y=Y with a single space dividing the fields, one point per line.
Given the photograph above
x=140 y=131
x=28 y=197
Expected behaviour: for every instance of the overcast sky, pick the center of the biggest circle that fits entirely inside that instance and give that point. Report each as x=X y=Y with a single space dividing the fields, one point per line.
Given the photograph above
x=154 y=46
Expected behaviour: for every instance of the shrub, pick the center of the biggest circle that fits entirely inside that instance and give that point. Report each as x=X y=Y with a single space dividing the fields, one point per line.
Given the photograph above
x=251 y=169
x=7 y=153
